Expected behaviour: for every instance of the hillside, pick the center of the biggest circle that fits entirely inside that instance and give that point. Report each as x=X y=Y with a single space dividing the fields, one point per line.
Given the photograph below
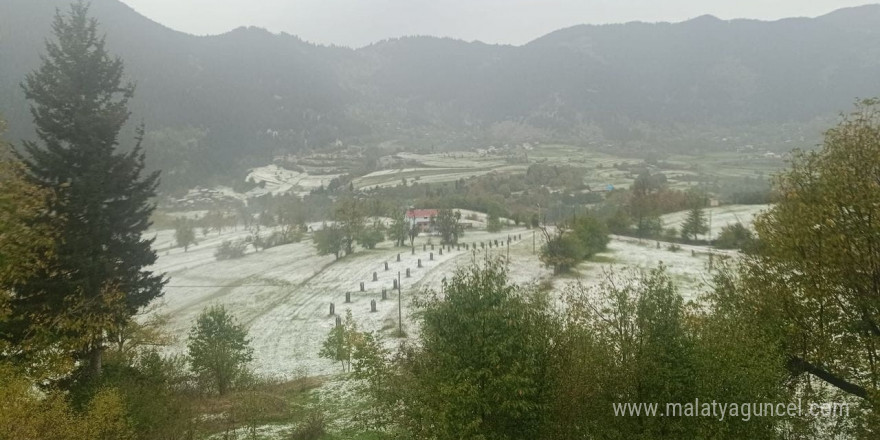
x=234 y=100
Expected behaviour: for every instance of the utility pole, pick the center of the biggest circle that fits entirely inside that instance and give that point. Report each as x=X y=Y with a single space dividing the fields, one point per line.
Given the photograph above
x=399 y=308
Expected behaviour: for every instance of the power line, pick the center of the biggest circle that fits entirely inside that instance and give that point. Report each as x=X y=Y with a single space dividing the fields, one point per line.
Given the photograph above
x=232 y=285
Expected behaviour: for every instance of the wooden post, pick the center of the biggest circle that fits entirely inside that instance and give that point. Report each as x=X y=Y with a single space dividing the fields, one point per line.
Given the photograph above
x=338 y=321
x=384 y=294
x=420 y=262
x=373 y=305
x=398 y=258
x=348 y=297
x=362 y=286
x=407 y=272
x=375 y=276
x=441 y=251
x=386 y=265
x=430 y=256
x=399 y=308
x=394 y=285
x=332 y=309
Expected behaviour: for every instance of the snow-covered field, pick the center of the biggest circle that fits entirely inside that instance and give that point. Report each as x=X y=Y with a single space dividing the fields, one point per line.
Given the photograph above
x=277 y=180
x=283 y=294
x=720 y=216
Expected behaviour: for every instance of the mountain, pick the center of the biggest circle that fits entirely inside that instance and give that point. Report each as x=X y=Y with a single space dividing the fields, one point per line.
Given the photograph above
x=235 y=99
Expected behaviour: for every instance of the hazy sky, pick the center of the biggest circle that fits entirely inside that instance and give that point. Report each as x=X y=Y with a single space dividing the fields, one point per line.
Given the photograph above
x=360 y=22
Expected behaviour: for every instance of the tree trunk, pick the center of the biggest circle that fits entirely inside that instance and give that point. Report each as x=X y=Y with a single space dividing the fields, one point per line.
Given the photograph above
x=95 y=358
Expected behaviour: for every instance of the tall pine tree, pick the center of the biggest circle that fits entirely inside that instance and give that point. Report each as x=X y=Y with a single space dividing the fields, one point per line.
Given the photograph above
x=79 y=104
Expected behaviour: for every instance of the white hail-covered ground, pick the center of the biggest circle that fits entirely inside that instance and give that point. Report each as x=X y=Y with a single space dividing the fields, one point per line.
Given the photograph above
x=278 y=180
x=283 y=294
x=721 y=216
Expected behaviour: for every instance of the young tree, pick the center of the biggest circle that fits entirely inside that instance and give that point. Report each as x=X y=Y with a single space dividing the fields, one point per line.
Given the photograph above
x=399 y=230
x=480 y=367
x=592 y=234
x=372 y=235
x=643 y=205
x=184 y=233
x=695 y=223
x=79 y=104
x=341 y=342
x=329 y=240
x=350 y=218
x=219 y=349
x=561 y=249
x=447 y=223
x=493 y=223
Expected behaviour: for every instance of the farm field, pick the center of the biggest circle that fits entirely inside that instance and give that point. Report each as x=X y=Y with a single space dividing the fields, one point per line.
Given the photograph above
x=721 y=216
x=283 y=294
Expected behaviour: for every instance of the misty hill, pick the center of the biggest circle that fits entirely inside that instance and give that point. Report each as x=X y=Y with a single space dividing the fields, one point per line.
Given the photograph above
x=232 y=100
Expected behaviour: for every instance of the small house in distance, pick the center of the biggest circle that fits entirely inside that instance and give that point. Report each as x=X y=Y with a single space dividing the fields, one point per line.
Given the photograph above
x=421 y=218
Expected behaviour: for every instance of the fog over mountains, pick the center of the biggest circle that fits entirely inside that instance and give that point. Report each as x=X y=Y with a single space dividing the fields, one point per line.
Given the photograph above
x=639 y=86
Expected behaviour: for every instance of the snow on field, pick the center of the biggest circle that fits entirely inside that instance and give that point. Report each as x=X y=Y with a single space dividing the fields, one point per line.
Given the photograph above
x=721 y=216
x=283 y=294
x=278 y=180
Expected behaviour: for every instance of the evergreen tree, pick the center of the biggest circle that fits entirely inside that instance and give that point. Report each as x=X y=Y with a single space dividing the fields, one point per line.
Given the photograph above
x=184 y=233
x=79 y=105
x=695 y=224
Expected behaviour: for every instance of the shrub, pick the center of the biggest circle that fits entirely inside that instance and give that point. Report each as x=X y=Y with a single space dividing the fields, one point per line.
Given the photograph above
x=312 y=428
x=229 y=250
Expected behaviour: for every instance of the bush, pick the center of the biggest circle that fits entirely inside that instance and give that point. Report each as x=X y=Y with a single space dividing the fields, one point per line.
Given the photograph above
x=735 y=236
x=312 y=428
x=230 y=250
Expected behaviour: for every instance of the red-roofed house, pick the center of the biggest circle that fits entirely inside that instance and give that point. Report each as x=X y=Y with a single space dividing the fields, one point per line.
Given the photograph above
x=421 y=218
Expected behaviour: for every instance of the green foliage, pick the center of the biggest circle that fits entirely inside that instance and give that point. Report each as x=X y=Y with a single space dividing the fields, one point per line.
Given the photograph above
x=341 y=342
x=568 y=244
x=561 y=249
x=493 y=223
x=632 y=339
x=695 y=224
x=99 y=277
x=312 y=428
x=230 y=250
x=184 y=233
x=448 y=225
x=27 y=415
x=734 y=236
x=479 y=368
x=813 y=279
x=399 y=229
x=592 y=234
x=350 y=217
x=219 y=349
x=329 y=240
x=372 y=235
